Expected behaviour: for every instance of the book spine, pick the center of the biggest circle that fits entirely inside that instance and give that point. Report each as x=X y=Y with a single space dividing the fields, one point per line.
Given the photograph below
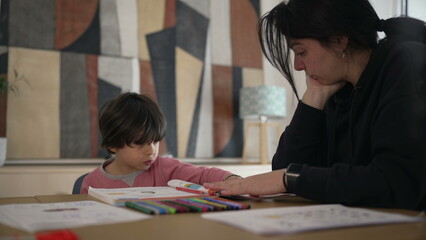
x=99 y=196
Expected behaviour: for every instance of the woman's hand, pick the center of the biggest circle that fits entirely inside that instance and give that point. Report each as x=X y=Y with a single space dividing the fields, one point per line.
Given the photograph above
x=317 y=94
x=261 y=184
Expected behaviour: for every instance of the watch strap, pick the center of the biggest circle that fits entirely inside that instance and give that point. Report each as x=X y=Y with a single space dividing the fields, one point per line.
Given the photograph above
x=292 y=174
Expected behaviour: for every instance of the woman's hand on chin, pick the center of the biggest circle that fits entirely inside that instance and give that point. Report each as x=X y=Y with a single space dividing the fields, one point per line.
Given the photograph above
x=317 y=94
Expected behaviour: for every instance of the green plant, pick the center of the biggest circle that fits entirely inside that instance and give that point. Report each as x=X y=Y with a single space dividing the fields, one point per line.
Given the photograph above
x=12 y=86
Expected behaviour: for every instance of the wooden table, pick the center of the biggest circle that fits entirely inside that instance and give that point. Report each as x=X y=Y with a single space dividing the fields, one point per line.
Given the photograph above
x=191 y=226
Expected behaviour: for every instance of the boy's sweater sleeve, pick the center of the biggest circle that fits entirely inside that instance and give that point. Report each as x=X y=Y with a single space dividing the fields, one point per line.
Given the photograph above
x=84 y=187
x=176 y=169
x=94 y=179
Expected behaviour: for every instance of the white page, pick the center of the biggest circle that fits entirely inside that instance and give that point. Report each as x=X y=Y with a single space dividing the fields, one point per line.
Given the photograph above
x=117 y=196
x=34 y=217
x=141 y=192
x=297 y=219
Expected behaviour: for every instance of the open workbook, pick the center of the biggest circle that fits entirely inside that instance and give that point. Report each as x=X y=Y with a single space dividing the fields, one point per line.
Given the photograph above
x=175 y=189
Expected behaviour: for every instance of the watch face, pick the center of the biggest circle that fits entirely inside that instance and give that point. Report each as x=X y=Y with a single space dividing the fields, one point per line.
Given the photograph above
x=294 y=168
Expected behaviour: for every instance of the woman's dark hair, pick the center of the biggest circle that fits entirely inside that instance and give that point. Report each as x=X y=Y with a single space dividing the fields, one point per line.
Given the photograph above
x=130 y=118
x=322 y=19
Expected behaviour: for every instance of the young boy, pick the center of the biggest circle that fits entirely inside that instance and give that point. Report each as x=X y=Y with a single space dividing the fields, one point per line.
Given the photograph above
x=132 y=126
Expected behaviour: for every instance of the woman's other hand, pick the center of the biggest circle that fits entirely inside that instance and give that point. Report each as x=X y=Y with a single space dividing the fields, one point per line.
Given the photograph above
x=317 y=94
x=261 y=184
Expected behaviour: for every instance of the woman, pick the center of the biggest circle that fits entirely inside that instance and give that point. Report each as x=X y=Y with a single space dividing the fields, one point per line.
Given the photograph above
x=358 y=134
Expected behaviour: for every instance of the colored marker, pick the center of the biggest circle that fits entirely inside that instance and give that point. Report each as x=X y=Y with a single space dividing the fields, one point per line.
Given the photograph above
x=230 y=205
x=190 y=190
x=157 y=209
x=184 y=186
x=179 y=208
x=205 y=207
x=193 y=207
x=217 y=206
x=161 y=205
x=140 y=207
x=186 y=208
x=240 y=205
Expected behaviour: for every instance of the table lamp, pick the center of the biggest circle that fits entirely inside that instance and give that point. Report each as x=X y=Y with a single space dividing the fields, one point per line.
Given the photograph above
x=261 y=103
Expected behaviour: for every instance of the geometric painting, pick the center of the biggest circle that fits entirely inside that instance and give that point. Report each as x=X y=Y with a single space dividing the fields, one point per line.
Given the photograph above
x=190 y=56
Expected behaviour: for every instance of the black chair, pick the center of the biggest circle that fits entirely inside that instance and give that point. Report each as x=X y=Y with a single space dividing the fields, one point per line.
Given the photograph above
x=77 y=184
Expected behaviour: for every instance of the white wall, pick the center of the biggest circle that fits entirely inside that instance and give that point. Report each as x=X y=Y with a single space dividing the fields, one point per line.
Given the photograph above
x=393 y=8
x=417 y=9
x=387 y=8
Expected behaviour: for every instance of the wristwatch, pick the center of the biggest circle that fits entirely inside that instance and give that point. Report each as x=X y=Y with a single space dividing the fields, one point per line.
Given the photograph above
x=291 y=175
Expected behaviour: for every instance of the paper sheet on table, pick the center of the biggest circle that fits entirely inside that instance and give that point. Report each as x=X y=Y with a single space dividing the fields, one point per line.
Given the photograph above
x=285 y=220
x=48 y=216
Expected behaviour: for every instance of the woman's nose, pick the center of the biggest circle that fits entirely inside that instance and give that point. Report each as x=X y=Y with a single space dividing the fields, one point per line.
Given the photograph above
x=298 y=64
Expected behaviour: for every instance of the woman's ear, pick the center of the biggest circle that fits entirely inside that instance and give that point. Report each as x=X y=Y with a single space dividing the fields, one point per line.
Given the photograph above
x=113 y=150
x=340 y=42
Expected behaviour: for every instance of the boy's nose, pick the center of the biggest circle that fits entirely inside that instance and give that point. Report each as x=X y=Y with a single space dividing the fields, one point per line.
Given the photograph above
x=149 y=148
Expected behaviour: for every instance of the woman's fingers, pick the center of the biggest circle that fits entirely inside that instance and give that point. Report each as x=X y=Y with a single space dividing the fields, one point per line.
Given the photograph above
x=266 y=183
x=230 y=187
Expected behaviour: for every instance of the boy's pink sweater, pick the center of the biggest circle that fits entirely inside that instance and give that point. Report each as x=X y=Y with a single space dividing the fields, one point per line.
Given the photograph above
x=160 y=172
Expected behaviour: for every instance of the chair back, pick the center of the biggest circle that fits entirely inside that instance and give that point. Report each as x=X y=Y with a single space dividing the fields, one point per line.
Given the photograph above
x=77 y=184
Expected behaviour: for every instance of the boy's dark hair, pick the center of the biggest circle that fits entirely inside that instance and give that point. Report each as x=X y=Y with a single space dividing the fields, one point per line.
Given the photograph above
x=322 y=19
x=131 y=118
